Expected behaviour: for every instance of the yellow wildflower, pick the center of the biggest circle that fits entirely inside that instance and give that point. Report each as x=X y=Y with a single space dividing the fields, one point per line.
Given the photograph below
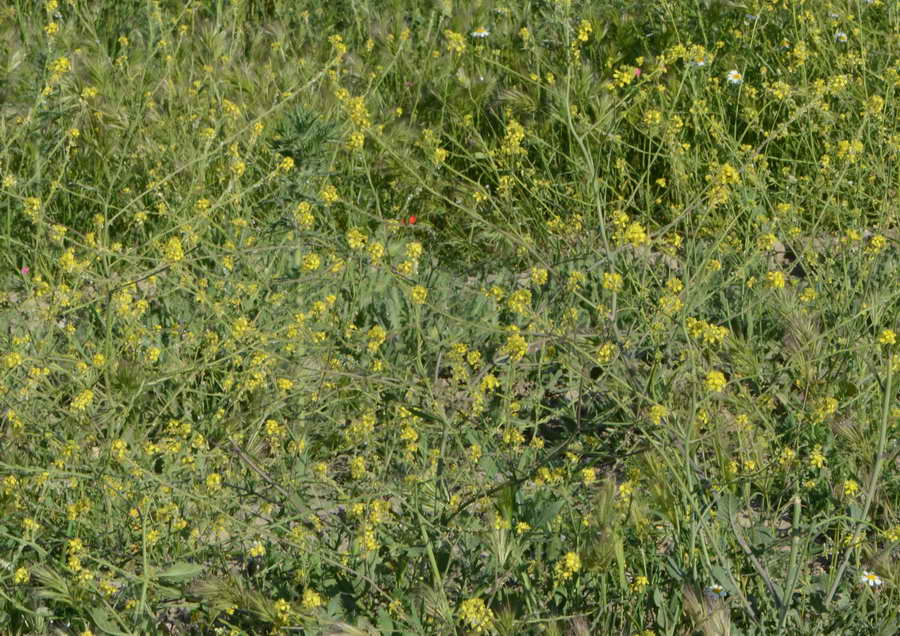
x=715 y=381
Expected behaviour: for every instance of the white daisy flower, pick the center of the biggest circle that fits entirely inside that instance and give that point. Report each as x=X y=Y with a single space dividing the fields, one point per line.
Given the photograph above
x=871 y=579
x=716 y=591
x=840 y=36
x=480 y=32
x=734 y=77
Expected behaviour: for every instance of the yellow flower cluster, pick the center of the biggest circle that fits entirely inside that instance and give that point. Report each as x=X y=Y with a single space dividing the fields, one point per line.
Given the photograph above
x=876 y=244
x=59 y=67
x=715 y=381
x=282 y=611
x=476 y=615
x=605 y=352
x=411 y=264
x=512 y=141
x=361 y=427
x=612 y=282
x=311 y=262
x=329 y=194
x=83 y=400
x=376 y=337
x=720 y=180
x=376 y=252
x=213 y=482
x=570 y=227
x=68 y=262
x=355 y=108
x=585 y=28
x=311 y=599
x=628 y=231
x=588 y=476
x=456 y=43
x=824 y=408
x=357 y=467
x=657 y=413
x=337 y=43
x=33 y=208
x=775 y=279
x=702 y=330
x=575 y=281
x=850 y=487
x=538 y=276
x=816 y=457
x=849 y=150
x=418 y=295
x=516 y=346
x=567 y=567
x=519 y=301
x=670 y=304
x=303 y=215
x=173 y=250
x=12 y=359
x=356 y=239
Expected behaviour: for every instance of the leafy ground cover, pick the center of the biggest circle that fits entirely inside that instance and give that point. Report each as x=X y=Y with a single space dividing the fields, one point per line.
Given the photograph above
x=403 y=317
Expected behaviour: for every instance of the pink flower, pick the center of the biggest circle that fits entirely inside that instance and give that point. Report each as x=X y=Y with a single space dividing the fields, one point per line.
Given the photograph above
x=637 y=72
x=25 y=269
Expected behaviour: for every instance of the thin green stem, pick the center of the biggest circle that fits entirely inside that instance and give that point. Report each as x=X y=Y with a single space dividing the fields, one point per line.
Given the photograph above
x=873 y=482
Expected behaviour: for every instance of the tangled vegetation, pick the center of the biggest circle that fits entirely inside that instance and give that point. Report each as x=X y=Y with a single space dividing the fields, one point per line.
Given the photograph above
x=449 y=317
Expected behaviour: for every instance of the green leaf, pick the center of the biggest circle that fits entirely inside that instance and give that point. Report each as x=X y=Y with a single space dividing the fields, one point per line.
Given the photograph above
x=101 y=618
x=889 y=626
x=658 y=599
x=761 y=536
x=721 y=577
x=674 y=569
x=181 y=571
x=393 y=308
x=548 y=513
x=385 y=624
x=166 y=593
x=334 y=606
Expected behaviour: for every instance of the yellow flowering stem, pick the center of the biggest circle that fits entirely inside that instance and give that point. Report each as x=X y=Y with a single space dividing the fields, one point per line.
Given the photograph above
x=590 y=169
x=417 y=308
x=876 y=473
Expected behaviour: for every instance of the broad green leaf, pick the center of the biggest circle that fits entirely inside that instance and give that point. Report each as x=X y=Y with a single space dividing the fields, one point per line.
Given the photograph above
x=181 y=571
x=103 y=621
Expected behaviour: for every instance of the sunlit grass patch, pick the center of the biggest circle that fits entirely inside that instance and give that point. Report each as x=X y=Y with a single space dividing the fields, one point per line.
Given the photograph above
x=448 y=318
